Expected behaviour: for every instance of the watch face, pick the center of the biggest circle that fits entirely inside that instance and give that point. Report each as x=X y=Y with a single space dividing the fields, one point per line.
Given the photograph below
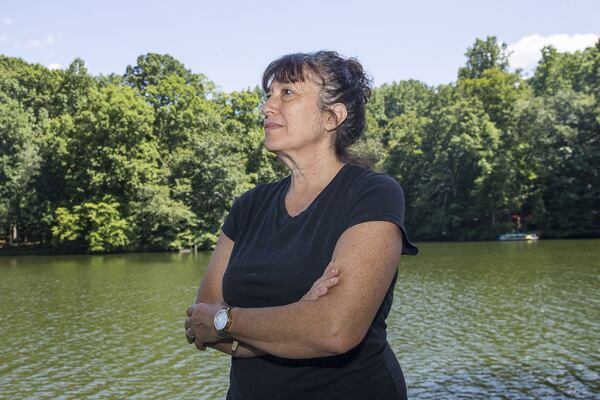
x=221 y=319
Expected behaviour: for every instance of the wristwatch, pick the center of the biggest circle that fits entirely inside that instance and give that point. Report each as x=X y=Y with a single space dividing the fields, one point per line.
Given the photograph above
x=223 y=321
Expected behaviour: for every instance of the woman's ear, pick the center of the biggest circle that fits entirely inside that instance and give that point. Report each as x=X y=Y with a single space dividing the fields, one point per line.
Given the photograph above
x=337 y=115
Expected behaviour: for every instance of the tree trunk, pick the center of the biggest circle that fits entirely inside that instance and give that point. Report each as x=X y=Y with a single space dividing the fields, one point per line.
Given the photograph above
x=443 y=213
x=493 y=213
x=12 y=237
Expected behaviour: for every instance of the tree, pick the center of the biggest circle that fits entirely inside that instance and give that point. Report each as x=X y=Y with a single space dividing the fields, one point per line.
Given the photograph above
x=498 y=92
x=460 y=142
x=405 y=159
x=563 y=132
x=160 y=222
x=392 y=100
x=208 y=176
x=31 y=85
x=180 y=113
x=485 y=54
x=556 y=71
x=75 y=84
x=151 y=68
x=19 y=164
x=111 y=148
x=91 y=226
x=154 y=159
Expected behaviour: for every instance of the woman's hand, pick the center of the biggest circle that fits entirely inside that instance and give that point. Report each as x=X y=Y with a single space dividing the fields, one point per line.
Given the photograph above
x=199 y=327
x=322 y=285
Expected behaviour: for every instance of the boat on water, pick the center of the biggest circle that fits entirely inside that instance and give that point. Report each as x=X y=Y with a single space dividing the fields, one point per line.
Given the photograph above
x=517 y=237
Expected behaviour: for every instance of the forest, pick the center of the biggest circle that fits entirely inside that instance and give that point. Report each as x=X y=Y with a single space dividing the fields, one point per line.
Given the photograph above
x=152 y=159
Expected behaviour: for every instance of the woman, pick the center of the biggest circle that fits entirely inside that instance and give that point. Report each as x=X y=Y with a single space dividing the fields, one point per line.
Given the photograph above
x=268 y=297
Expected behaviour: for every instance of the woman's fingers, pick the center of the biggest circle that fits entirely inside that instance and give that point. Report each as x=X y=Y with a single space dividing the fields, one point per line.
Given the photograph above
x=189 y=334
x=200 y=324
x=190 y=310
x=200 y=346
x=329 y=277
x=324 y=283
x=328 y=280
x=329 y=267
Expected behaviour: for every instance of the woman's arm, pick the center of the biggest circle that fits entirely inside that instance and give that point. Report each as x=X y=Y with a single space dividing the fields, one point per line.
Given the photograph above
x=210 y=291
x=367 y=256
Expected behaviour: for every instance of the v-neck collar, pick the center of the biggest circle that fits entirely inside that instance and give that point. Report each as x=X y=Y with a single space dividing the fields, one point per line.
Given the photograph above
x=284 y=190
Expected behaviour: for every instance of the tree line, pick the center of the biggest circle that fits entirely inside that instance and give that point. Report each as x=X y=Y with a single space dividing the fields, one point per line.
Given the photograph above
x=153 y=159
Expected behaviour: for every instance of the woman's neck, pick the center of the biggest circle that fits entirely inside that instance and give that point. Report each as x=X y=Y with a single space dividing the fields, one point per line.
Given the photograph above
x=311 y=177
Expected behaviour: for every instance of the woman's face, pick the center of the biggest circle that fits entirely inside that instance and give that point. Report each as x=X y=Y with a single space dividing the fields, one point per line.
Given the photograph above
x=293 y=119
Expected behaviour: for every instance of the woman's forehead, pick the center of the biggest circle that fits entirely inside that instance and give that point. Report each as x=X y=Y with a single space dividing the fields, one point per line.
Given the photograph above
x=307 y=81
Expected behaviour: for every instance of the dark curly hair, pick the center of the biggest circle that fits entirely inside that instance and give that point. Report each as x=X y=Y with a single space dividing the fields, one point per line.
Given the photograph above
x=343 y=80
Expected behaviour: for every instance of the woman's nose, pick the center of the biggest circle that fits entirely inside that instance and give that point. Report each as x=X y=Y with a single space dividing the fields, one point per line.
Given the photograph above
x=268 y=106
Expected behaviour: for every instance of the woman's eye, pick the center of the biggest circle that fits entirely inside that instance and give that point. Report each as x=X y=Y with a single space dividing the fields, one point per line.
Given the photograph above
x=287 y=92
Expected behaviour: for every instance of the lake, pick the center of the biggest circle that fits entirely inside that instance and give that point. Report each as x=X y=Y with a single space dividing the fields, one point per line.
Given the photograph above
x=470 y=320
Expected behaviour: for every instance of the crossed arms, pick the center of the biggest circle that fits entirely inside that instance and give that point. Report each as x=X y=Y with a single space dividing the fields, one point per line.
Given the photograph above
x=331 y=319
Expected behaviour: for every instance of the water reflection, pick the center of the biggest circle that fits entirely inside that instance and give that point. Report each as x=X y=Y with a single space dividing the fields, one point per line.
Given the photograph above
x=470 y=320
x=501 y=320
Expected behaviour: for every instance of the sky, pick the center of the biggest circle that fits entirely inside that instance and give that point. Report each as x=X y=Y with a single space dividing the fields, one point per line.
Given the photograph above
x=231 y=42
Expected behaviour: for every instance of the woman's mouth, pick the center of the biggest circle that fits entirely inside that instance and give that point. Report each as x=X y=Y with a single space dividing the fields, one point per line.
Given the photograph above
x=272 y=125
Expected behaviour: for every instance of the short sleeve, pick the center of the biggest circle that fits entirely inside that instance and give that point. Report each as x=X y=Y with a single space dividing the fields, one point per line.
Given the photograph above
x=235 y=218
x=380 y=198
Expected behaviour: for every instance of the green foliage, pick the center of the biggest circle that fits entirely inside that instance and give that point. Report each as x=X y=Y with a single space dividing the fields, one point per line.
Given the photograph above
x=579 y=71
x=160 y=222
x=153 y=159
x=564 y=131
x=498 y=92
x=110 y=145
x=152 y=68
x=486 y=148
x=19 y=161
x=485 y=54
x=32 y=85
x=95 y=227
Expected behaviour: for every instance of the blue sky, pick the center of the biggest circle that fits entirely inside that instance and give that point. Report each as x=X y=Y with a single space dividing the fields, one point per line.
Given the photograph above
x=232 y=41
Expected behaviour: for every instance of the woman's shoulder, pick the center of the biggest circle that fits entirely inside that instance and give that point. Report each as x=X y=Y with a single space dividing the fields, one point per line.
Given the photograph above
x=361 y=178
x=377 y=196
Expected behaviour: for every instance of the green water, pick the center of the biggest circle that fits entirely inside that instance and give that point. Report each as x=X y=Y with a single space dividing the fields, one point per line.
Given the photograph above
x=470 y=320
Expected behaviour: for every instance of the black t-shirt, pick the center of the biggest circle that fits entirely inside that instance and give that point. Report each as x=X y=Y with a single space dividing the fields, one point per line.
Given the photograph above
x=275 y=260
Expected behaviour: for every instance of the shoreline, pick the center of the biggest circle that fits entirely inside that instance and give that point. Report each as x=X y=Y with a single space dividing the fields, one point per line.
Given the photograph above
x=28 y=249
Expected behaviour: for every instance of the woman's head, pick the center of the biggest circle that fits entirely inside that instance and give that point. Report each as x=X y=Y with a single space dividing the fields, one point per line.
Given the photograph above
x=339 y=81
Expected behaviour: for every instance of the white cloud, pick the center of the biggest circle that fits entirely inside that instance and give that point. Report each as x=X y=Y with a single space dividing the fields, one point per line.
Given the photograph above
x=5 y=21
x=527 y=51
x=54 y=66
